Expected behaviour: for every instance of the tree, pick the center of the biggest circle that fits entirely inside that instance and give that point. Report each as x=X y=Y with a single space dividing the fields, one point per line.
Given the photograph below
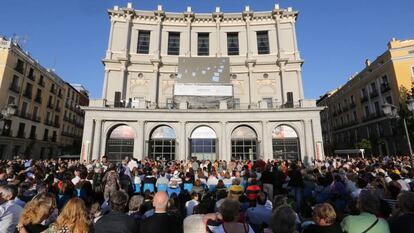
x=364 y=144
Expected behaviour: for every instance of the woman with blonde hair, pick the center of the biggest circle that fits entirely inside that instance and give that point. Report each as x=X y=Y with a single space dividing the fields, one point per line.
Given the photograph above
x=73 y=218
x=38 y=210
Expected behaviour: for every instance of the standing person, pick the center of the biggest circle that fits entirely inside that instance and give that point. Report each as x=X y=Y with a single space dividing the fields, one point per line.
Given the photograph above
x=366 y=221
x=403 y=216
x=189 y=205
x=112 y=182
x=268 y=180
x=259 y=216
x=229 y=214
x=73 y=218
x=117 y=221
x=161 y=222
x=37 y=211
x=9 y=210
x=296 y=184
x=324 y=217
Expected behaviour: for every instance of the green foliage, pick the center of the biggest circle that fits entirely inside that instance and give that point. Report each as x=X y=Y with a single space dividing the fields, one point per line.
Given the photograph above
x=364 y=144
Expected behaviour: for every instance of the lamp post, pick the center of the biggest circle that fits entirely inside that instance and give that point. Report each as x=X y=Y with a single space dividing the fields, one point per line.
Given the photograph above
x=391 y=111
x=6 y=113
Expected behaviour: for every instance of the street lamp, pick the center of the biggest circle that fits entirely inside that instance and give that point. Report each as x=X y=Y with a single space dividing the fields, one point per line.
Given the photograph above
x=391 y=111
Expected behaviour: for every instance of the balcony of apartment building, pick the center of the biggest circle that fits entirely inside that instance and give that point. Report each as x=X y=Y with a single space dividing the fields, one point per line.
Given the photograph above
x=364 y=98
x=33 y=136
x=41 y=82
x=57 y=108
x=21 y=134
x=19 y=66
x=38 y=99
x=352 y=105
x=385 y=87
x=51 y=123
x=60 y=94
x=28 y=94
x=53 y=89
x=14 y=88
x=50 y=105
x=31 y=75
x=373 y=94
x=221 y=105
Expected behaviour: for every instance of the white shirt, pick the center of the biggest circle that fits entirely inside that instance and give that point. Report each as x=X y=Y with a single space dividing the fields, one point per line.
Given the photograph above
x=132 y=164
x=220 y=229
x=189 y=206
x=75 y=180
x=9 y=216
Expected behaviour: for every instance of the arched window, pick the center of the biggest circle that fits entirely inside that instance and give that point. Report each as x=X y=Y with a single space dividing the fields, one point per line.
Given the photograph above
x=285 y=143
x=162 y=143
x=244 y=143
x=120 y=143
x=203 y=143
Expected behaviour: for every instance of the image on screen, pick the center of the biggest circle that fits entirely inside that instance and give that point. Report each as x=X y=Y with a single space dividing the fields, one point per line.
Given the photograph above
x=203 y=70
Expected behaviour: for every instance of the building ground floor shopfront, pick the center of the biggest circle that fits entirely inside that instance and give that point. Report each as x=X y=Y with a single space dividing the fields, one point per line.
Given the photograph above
x=14 y=147
x=204 y=134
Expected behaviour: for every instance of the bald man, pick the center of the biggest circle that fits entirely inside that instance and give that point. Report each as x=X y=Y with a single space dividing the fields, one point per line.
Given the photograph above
x=161 y=221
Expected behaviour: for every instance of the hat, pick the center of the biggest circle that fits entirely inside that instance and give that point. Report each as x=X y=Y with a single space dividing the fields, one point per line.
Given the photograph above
x=236 y=189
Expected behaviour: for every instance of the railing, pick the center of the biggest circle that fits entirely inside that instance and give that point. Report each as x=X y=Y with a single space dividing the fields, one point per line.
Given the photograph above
x=385 y=87
x=14 y=88
x=373 y=94
x=27 y=94
x=364 y=98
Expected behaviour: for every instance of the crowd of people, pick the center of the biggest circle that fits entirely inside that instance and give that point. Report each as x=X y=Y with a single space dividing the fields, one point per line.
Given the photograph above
x=336 y=195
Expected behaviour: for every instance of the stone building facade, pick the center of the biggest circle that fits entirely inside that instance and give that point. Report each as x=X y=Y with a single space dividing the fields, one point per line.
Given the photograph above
x=139 y=115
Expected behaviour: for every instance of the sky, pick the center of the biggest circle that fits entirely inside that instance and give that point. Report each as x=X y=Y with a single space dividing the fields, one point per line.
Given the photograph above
x=334 y=36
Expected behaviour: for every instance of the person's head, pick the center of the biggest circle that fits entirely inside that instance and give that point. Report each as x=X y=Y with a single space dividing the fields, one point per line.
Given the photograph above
x=194 y=224
x=368 y=202
x=104 y=159
x=118 y=201
x=279 y=200
x=324 y=214
x=229 y=209
x=160 y=201
x=405 y=202
x=135 y=203
x=197 y=183
x=38 y=209
x=261 y=198
x=194 y=196
x=283 y=220
x=394 y=188
x=6 y=193
x=74 y=216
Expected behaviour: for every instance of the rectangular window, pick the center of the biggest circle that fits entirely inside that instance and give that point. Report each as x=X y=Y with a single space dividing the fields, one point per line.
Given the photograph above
x=173 y=43
x=24 y=109
x=35 y=112
x=236 y=103
x=232 y=43
x=143 y=42
x=46 y=135
x=269 y=102
x=28 y=91
x=19 y=66
x=377 y=109
x=289 y=101
x=11 y=100
x=373 y=87
x=14 y=86
x=20 y=132
x=31 y=74
x=262 y=42
x=33 y=132
x=388 y=99
x=354 y=115
x=203 y=44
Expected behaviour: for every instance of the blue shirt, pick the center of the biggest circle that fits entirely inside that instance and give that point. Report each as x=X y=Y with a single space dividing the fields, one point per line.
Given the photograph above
x=259 y=214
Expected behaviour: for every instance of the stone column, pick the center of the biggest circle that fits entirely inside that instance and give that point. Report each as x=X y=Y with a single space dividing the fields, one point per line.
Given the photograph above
x=218 y=16
x=109 y=51
x=189 y=16
x=247 y=16
x=139 y=140
x=183 y=143
x=97 y=139
x=266 y=141
x=87 y=139
x=309 y=147
x=223 y=143
x=105 y=85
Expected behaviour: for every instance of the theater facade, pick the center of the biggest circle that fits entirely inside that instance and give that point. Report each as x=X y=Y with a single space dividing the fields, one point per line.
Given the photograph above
x=206 y=85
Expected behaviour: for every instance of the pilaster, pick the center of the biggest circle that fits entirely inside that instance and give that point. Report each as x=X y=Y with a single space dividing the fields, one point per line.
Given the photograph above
x=97 y=139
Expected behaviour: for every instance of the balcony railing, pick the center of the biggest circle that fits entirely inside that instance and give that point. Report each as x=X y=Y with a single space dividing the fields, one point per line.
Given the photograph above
x=385 y=87
x=28 y=94
x=364 y=98
x=33 y=136
x=38 y=99
x=373 y=94
x=14 y=88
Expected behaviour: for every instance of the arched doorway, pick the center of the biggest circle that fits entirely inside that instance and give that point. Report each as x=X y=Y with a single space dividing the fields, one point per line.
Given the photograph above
x=120 y=143
x=285 y=143
x=203 y=143
x=244 y=143
x=162 y=143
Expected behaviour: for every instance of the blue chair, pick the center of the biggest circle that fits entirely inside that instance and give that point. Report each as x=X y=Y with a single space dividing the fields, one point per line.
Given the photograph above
x=188 y=187
x=212 y=188
x=162 y=188
x=171 y=191
x=137 y=188
x=150 y=187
